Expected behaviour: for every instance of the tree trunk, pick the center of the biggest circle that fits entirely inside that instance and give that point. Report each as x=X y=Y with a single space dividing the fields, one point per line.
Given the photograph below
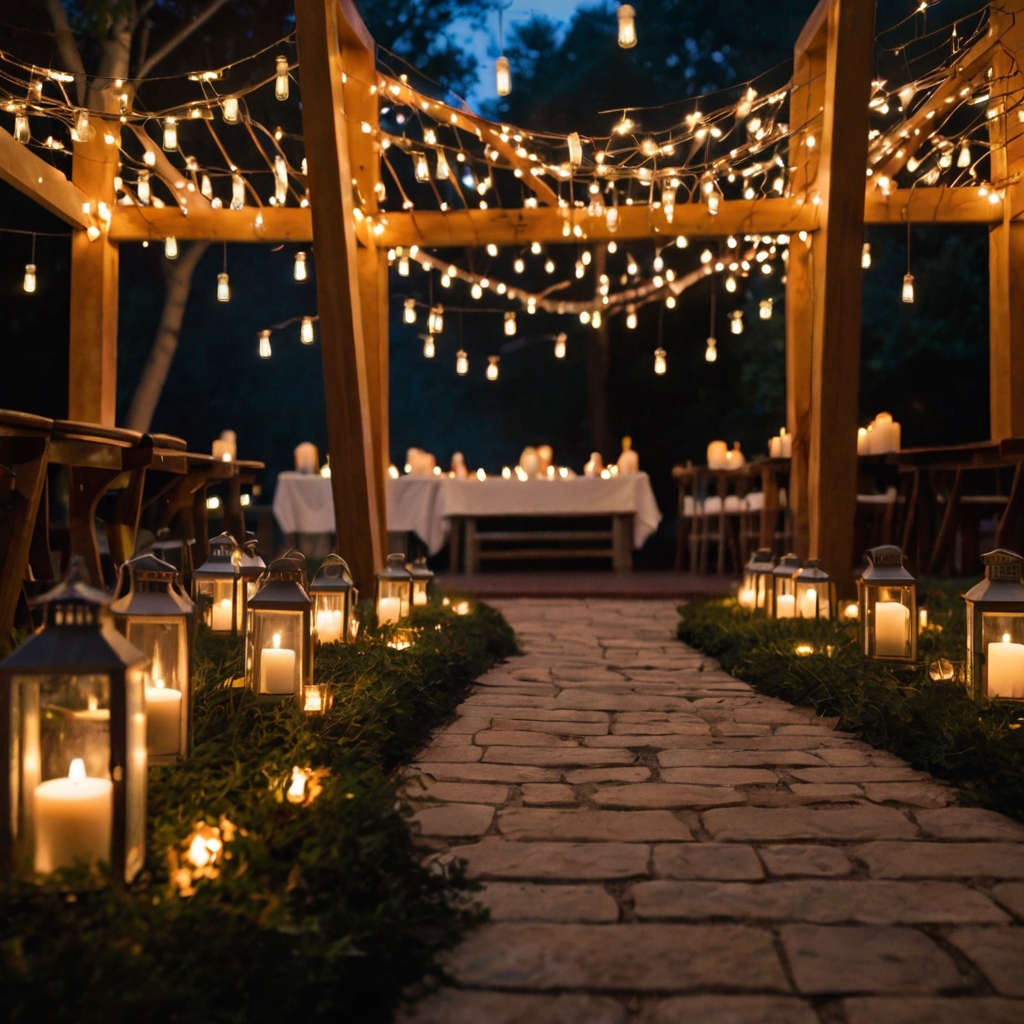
x=597 y=372
x=158 y=365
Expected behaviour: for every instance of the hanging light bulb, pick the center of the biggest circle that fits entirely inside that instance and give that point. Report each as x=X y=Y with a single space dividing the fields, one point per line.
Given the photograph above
x=502 y=76
x=613 y=247
x=536 y=248
x=492 y=249
x=143 y=189
x=229 y=109
x=422 y=167
x=461 y=363
x=476 y=291
x=403 y=265
x=435 y=320
x=519 y=266
x=306 y=331
x=205 y=188
x=627 y=26
x=549 y=266
x=29 y=282
x=765 y=309
x=908 y=288
x=559 y=345
x=280 y=180
x=83 y=131
x=730 y=283
x=446 y=281
x=713 y=204
x=736 y=321
x=580 y=269
x=631 y=267
x=611 y=219
x=409 y=311
x=443 y=171
x=299 y=271
x=575 y=149
x=711 y=352
x=510 y=324
x=670 y=302
x=22 y=132
x=264 y=343
x=281 y=84
x=428 y=346
x=865 y=255
x=170 y=134
x=585 y=316
x=531 y=304
x=171 y=247
x=224 y=288
x=492 y=367
x=237 y=192
x=595 y=319
x=964 y=159
x=660 y=362
x=631 y=317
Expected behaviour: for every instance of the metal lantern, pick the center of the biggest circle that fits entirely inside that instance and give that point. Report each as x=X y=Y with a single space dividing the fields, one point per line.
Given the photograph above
x=757 y=581
x=815 y=592
x=278 y=646
x=251 y=567
x=155 y=618
x=217 y=587
x=887 y=599
x=394 y=591
x=422 y=583
x=73 y=735
x=995 y=629
x=783 y=597
x=334 y=602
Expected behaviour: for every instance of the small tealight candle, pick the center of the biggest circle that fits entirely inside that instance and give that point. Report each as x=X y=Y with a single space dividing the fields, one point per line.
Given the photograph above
x=277 y=668
x=785 y=606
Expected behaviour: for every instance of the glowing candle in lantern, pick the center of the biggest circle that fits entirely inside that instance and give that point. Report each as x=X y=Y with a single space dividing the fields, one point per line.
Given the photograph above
x=221 y=621
x=163 y=718
x=809 y=603
x=389 y=610
x=73 y=819
x=1006 y=669
x=748 y=598
x=277 y=668
x=785 y=606
x=892 y=629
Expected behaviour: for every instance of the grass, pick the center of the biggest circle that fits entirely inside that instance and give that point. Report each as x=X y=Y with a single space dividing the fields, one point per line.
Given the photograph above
x=935 y=726
x=318 y=912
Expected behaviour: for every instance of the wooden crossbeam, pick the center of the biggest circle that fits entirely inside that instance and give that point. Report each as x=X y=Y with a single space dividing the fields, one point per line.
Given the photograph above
x=41 y=182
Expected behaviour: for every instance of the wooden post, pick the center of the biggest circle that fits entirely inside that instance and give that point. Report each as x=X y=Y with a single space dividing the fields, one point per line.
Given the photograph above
x=92 y=353
x=342 y=338
x=837 y=284
x=807 y=101
x=1006 y=239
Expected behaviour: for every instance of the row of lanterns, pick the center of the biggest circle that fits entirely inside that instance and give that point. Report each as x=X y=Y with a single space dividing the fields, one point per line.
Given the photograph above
x=103 y=688
x=889 y=617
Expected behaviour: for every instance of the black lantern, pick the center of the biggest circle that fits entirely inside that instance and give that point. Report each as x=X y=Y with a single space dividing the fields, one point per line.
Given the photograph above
x=887 y=599
x=995 y=629
x=334 y=602
x=394 y=591
x=422 y=583
x=783 y=604
x=154 y=617
x=815 y=592
x=217 y=587
x=278 y=645
x=73 y=734
x=757 y=581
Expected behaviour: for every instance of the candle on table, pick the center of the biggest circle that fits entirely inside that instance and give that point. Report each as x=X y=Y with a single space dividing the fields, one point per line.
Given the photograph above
x=277 y=668
x=328 y=625
x=390 y=610
x=748 y=598
x=1006 y=669
x=892 y=629
x=221 y=621
x=785 y=606
x=775 y=447
x=163 y=720
x=786 y=443
x=809 y=603
x=74 y=819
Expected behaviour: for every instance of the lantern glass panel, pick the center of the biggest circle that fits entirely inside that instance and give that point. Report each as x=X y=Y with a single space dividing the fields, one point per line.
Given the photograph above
x=165 y=641
x=1002 y=648
x=220 y=604
x=813 y=599
x=277 y=652
x=783 y=596
x=392 y=600
x=330 y=618
x=420 y=592
x=889 y=621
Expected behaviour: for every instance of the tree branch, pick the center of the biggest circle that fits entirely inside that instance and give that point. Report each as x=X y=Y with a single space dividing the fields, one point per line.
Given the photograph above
x=66 y=46
x=178 y=38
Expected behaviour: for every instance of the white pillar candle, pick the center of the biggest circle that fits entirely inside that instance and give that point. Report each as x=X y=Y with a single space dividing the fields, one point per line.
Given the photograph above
x=419 y=597
x=328 y=625
x=277 y=668
x=786 y=442
x=809 y=603
x=74 y=820
x=1006 y=669
x=748 y=598
x=163 y=720
x=221 y=620
x=892 y=629
x=785 y=606
x=389 y=610
x=775 y=448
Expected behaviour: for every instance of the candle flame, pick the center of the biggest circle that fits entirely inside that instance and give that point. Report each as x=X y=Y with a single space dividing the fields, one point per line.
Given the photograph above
x=93 y=703
x=297 y=789
x=1006 y=638
x=276 y=640
x=76 y=773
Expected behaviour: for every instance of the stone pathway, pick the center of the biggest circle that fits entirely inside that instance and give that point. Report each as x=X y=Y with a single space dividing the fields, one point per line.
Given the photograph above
x=658 y=844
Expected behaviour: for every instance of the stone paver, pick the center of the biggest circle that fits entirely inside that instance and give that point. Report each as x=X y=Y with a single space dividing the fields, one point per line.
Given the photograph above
x=658 y=844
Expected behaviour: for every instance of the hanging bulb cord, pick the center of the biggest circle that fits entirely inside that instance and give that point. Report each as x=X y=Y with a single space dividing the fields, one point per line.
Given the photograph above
x=714 y=297
x=33 y=260
x=225 y=257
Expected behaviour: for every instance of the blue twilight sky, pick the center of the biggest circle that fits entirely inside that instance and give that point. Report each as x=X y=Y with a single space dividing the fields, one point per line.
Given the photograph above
x=483 y=43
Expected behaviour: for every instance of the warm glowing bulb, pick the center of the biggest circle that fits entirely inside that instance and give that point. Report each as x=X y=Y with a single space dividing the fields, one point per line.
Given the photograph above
x=281 y=84
x=549 y=266
x=306 y=331
x=171 y=247
x=865 y=255
x=477 y=290
x=736 y=321
x=560 y=345
x=22 y=132
x=229 y=109
x=765 y=309
x=908 y=288
x=502 y=76
x=409 y=311
x=510 y=324
x=519 y=266
x=730 y=283
x=143 y=189
x=711 y=352
x=29 y=282
x=170 y=134
x=670 y=302
x=223 y=288
x=492 y=367
x=631 y=318
x=660 y=362
x=428 y=346
x=964 y=159
x=299 y=271
x=461 y=363
x=422 y=167
x=237 y=192
x=627 y=26
x=265 y=353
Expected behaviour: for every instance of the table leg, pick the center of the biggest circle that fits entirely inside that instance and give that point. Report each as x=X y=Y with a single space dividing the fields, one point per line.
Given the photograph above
x=947 y=531
x=472 y=542
x=1008 y=534
x=121 y=533
x=87 y=484
x=622 y=542
x=39 y=555
x=770 y=510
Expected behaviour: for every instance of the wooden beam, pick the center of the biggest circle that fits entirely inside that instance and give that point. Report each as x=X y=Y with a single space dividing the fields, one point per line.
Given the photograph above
x=835 y=357
x=92 y=346
x=41 y=182
x=349 y=424
x=149 y=224
x=1006 y=238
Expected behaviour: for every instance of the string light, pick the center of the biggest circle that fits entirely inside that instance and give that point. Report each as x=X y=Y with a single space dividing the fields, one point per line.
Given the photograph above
x=83 y=131
x=403 y=265
x=143 y=190
x=730 y=283
x=580 y=269
x=865 y=255
x=549 y=266
x=613 y=247
x=299 y=271
x=510 y=324
x=502 y=76
x=560 y=345
x=964 y=159
x=711 y=352
x=170 y=142
x=477 y=290
x=229 y=109
x=492 y=367
x=22 y=132
x=306 y=331
x=736 y=321
x=237 y=192
x=461 y=363
x=631 y=317
x=670 y=302
x=265 y=351
x=536 y=248
x=409 y=311
x=422 y=167
x=631 y=267
x=575 y=149
x=442 y=170
x=627 y=26
x=280 y=181
x=223 y=288
x=435 y=320
x=428 y=346
x=492 y=249
x=660 y=362
x=281 y=87
x=28 y=283
x=595 y=319
x=171 y=247
x=765 y=309
x=519 y=265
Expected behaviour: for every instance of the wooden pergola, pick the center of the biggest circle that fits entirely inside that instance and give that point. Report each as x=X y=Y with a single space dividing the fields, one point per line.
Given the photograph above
x=827 y=198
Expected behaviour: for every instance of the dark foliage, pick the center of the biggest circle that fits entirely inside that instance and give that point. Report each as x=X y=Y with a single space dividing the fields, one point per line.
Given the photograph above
x=934 y=726
x=323 y=912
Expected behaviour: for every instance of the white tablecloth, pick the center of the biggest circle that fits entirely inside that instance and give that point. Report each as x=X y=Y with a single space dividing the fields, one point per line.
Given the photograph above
x=424 y=505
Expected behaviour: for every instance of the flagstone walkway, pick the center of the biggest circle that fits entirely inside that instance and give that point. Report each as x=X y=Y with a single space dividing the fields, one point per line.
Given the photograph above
x=658 y=844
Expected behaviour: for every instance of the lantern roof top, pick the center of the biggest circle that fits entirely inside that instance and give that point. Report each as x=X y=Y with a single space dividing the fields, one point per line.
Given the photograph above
x=885 y=565
x=283 y=589
x=333 y=575
x=1002 y=582
x=395 y=568
x=762 y=560
x=419 y=570
x=813 y=571
x=789 y=565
